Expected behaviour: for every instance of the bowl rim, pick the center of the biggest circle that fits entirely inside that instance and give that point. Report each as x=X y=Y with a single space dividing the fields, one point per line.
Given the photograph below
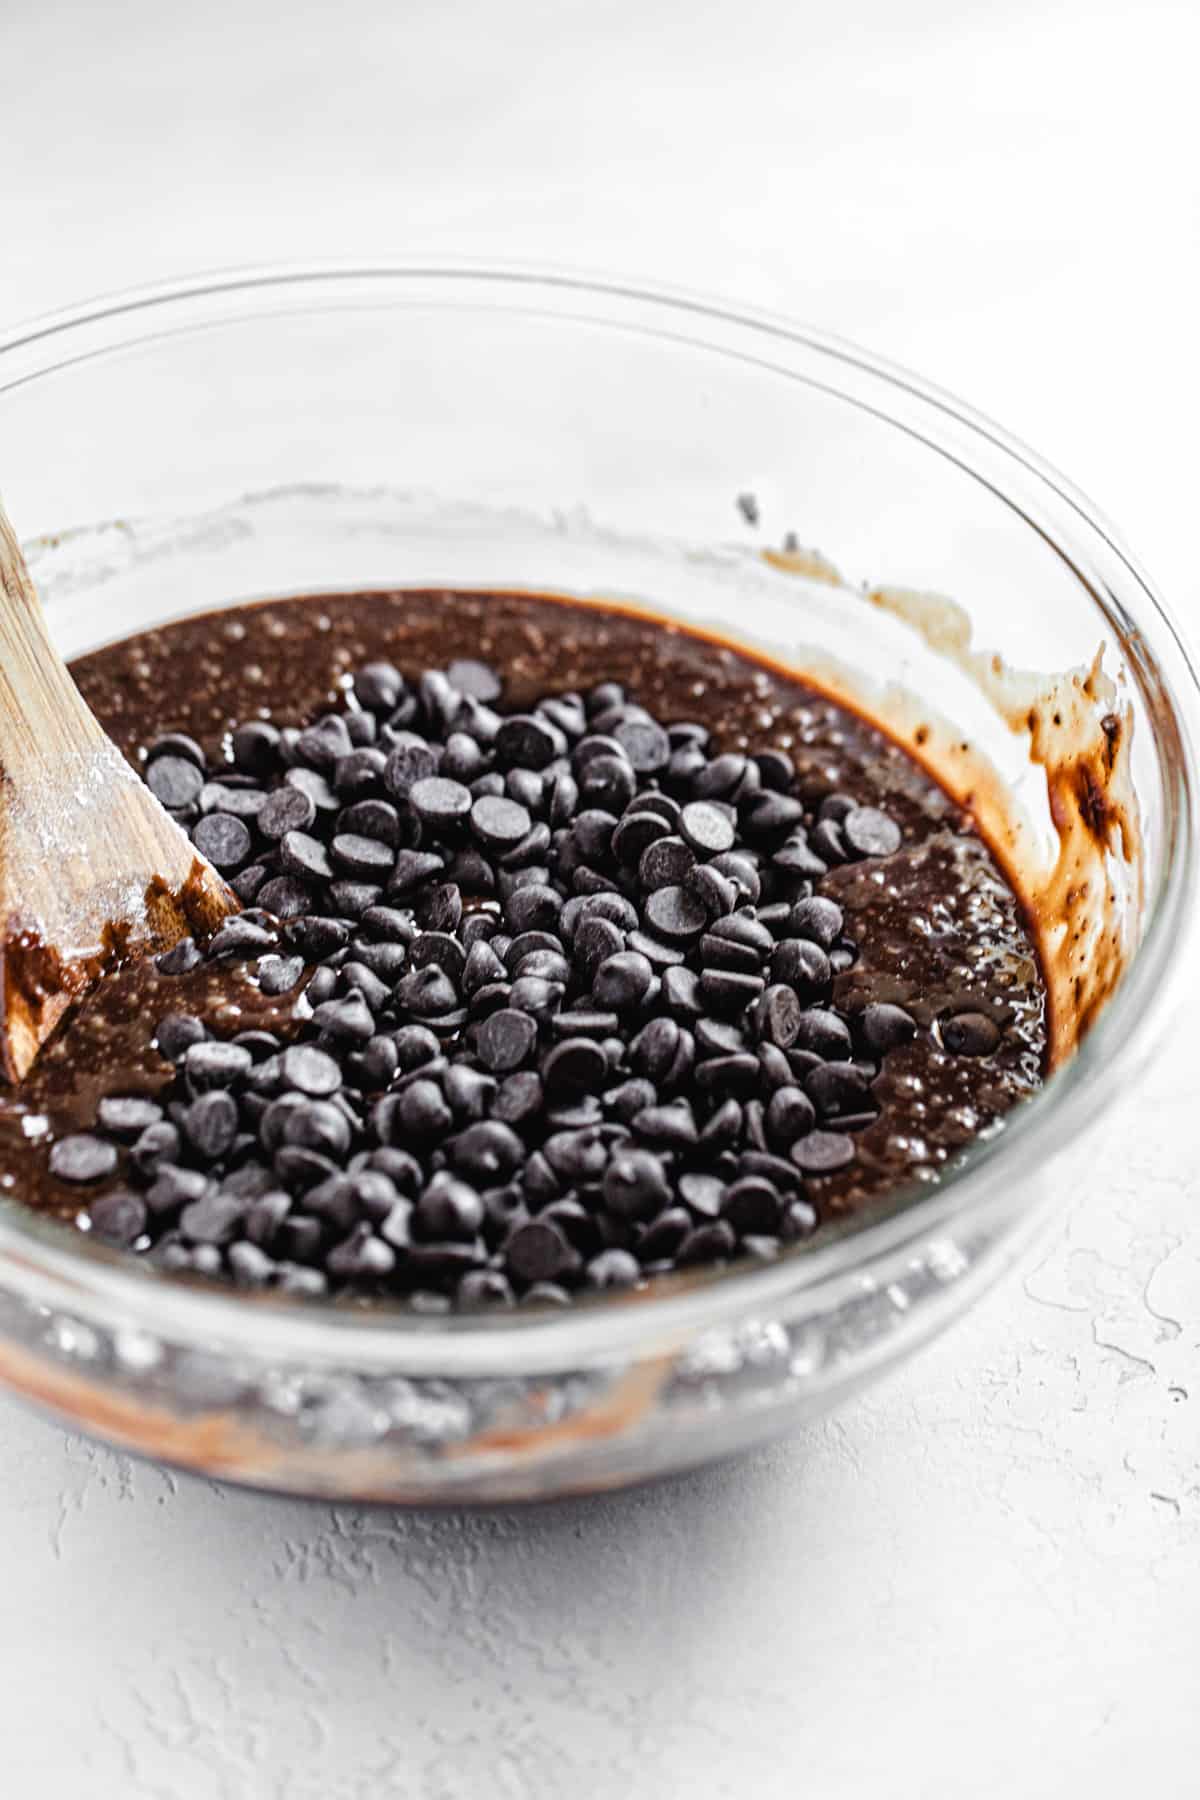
x=44 y=1264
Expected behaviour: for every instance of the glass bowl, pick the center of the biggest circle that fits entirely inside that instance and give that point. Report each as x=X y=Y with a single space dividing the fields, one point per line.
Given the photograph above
x=212 y=442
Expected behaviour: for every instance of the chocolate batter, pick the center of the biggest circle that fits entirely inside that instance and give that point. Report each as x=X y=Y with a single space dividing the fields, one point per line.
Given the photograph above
x=935 y=927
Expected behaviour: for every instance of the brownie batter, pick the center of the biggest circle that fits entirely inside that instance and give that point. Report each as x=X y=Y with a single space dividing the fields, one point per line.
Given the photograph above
x=931 y=927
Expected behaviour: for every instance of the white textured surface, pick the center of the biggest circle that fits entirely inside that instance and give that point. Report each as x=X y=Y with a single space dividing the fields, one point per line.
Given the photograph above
x=984 y=1578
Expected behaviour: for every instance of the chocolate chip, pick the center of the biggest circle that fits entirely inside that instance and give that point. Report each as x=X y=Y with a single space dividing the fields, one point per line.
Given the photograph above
x=82 y=1158
x=545 y=1293
x=361 y=1255
x=355 y=976
x=775 y=1069
x=210 y=1124
x=751 y=1205
x=499 y=823
x=883 y=1027
x=241 y=803
x=438 y=949
x=707 y=1243
x=176 y=743
x=724 y=1127
x=348 y=1021
x=824 y=1034
x=622 y=981
x=118 y=1217
x=408 y=764
x=482 y=967
x=645 y=743
x=286 y=897
x=612 y=1269
x=518 y=1098
x=477 y=679
x=870 y=832
x=798 y=860
x=317 y=936
x=739 y=868
x=803 y=966
x=486 y=1152
x=484 y=1287
x=780 y=1015
x=440 y=908
x=391 y=924
x=175 y=781
x=707 y=827
x=525 y=741
x=449 y=1209
x=838 y=1087
x=365 y=856
x=157 y=1145
x=634 y=834
x=538 y=1252
x=542 y=965
x=379 y=686
x=438 y=802
x=635 y=1184
x=729 y=1075
x=223 y=839
x=789 y=1115
x=310 y=1071
x=666 y=863
x=533 y=908
x=376 y=819
x=255 y=746
x=681 y=992
x=715 y=892
x=314 y=784
x=674 y=914
x=608 y=782
x=661 y=1238
x=215 y=1065
x=720 y=953
x=247 y=883
x=577 y=1155
x=180 y=959
x=818 y=919
x=506 y=1039
x=576 y=1063
x=241 y=936
x=127 y=1116
x=614 y=907
x=673 y=1127
x=321 y=744
x=827 y=842
x=213 y=1219
x=970 y=1034
x=720 y=777
x=428 y=992
x=823 y=1152
x=304 y=856
x=729 y=991
x=279 y=974
x=286 y=809
x=173 y=1187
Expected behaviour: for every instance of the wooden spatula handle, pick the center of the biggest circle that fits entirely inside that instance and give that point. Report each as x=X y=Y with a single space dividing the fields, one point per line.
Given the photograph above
x=90 y=863
x=43 y=720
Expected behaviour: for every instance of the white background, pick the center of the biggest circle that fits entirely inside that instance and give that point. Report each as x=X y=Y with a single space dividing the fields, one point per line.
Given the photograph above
x=984 y=1578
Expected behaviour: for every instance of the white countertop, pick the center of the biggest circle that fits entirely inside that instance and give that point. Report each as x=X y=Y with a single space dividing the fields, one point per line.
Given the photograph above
x=983 y=1578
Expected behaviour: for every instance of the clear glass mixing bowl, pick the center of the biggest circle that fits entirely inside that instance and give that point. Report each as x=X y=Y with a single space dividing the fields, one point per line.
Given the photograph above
x=290 y=431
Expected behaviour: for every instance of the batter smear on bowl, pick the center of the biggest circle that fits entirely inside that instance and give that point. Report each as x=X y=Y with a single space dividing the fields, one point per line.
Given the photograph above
x=577 y=949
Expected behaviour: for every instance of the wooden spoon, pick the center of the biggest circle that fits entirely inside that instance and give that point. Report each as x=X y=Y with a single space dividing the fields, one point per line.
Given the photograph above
x=92 y=868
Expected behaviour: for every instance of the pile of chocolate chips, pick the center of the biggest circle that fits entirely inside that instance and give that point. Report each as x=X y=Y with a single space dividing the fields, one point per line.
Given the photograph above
x=563 y=1014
